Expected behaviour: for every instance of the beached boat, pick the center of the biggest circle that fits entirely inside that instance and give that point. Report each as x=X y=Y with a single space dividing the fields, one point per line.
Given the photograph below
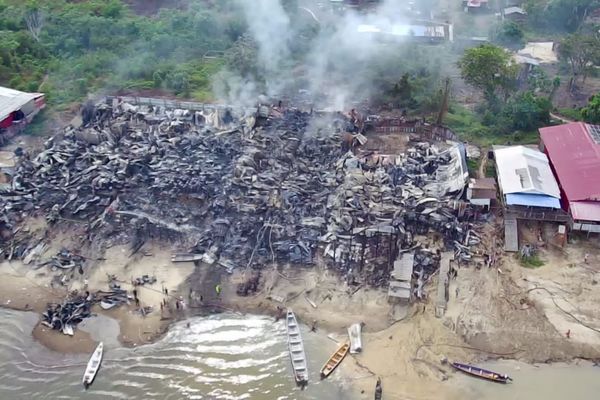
x=378 y=390
x=296 y=349
x=107 y=304
x=482 y=373
x=355 y=340
x=93 y=365
x=335 y=360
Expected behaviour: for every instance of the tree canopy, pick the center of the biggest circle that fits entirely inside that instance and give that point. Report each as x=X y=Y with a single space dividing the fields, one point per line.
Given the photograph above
x=591 y=113
x=489 y=68
x=582 y=52
x=77 y=47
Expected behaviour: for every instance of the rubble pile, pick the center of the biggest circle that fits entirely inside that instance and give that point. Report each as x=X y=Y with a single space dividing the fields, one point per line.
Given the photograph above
x=241 y=189
x=65 y=317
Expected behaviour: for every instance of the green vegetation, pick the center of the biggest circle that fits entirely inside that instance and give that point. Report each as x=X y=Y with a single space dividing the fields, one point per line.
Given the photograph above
x=558 y=15
x=582 y=53
x=469 y=126
x=509 y=114
x=70 y=49
x=509 y=34
x=490 y=69
x=591 y=113
x=533 y=261
x=472 y=166
x=571 y=113
x=490 y=170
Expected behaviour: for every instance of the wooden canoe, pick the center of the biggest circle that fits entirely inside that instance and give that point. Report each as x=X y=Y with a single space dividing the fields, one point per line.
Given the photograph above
x=93 y=365
x=482 y=373
x=378 y=390
x=296 y=349
x=335 y=360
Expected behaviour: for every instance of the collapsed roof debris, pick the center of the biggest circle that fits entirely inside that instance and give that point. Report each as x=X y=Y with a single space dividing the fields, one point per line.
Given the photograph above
x=243 y=189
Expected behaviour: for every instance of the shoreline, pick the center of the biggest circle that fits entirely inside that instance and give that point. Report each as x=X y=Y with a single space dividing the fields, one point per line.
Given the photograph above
x=404 y=347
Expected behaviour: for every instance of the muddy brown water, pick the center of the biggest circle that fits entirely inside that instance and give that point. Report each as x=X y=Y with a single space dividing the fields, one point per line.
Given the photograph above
x=226 y=356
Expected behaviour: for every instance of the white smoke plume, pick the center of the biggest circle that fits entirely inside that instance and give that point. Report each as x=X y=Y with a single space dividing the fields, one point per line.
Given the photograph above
x=335 y=65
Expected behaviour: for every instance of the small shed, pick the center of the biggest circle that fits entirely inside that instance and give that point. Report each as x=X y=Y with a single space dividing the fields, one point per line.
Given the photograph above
x=482 y=192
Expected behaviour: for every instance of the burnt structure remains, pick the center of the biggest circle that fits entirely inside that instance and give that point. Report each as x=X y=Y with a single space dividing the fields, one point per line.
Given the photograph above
x=242 y=188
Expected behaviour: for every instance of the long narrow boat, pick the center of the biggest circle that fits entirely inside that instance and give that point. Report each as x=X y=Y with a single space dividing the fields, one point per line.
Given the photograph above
x=482 y=373
x=93 y=365
x=378 y=390
x=335 y=360
x=296 y=349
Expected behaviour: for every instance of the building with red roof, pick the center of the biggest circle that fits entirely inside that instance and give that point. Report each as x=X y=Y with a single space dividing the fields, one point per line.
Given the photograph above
x=574 y=153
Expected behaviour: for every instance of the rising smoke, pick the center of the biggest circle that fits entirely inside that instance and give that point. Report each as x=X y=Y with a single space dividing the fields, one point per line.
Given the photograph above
x=334 y=65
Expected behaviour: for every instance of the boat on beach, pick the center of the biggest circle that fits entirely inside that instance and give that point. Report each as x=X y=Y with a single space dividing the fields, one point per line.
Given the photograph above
x=378 y=390
x=296 y=349
x=335 y=360
x=354 y=332
x=481 y=373
x=93 y=365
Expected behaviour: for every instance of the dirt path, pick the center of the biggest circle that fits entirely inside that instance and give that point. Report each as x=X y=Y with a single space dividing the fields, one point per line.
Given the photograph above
x=482 y=165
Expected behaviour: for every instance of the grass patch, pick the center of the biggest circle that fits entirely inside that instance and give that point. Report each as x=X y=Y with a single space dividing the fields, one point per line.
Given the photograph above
x=472 y=165
x=531 y=262
x=570 y=113
x=490 y=169
x=467 y=125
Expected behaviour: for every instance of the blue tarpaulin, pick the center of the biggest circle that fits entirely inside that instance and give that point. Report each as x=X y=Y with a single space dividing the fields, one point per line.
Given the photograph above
x=532 y=200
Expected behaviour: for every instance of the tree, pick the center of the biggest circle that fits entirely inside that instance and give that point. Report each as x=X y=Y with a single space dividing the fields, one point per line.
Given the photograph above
x=489 y=68
x=562 y=15
x=509 y=34
x=591 y=113
x=581 y=52
x=568 y=14
x=528 y=111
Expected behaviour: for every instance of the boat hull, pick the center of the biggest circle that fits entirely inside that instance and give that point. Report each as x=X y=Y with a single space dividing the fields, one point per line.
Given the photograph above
x=335 y=360
x=93 y=366
x=296 y=350
x=482 y=373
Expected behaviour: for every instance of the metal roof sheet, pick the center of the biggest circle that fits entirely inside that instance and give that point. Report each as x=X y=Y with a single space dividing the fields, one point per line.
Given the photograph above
x=576 y=160
x=585 y=210
x=11 y=100
x=524 y=170
x=532 y=200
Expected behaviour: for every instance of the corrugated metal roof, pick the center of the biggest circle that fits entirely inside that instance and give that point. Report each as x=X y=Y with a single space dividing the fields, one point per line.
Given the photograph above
x=11 y=100
x=524 y=170
x=514 y=10
x=532 y=200
x=576 y=160
x=585 y=210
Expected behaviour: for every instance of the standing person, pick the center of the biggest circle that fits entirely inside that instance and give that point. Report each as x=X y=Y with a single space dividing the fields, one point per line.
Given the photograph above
x=218 y=290
x=586 y=258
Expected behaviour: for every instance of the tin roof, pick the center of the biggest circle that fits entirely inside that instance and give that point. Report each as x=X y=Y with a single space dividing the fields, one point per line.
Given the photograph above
x=11 y=100
x=574 y=150
x=524 y=170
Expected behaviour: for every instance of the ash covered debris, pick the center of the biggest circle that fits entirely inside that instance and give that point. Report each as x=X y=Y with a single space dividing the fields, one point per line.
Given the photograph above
x=243 y=189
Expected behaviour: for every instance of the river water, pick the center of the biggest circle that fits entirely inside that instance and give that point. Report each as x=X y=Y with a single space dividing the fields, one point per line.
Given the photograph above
x=229 y=356
x=226 y=356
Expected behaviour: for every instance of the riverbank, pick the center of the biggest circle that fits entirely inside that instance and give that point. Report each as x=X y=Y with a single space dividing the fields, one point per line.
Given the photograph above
x=490 y=314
